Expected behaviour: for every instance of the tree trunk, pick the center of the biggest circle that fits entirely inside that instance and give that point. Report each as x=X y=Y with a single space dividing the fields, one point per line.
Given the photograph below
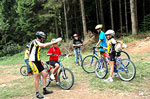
x=120 y=14
x=97 y=17
x=76 y=21
x=56 y=26
x=102 y=15
x=111 y=14
x=133 y=17
x=136 y=14
x=66 y=21
x=126 y=15
x=144 y=13
x=83 y=17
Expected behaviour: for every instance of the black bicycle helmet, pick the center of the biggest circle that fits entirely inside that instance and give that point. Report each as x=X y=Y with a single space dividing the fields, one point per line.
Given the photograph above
x=28 y=45
x=40 y=34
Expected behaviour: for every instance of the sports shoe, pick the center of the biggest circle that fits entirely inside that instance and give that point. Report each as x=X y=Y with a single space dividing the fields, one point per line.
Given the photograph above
x=57 y=83
x=115 y=75
x=52 y=77
x=38 y=95
x=47 y=92
x=109 y=79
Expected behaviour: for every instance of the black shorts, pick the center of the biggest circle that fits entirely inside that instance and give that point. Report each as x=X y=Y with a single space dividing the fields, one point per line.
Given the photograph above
x=112 y=56
x=36 y=66
x=52 y=63
x=102 y=52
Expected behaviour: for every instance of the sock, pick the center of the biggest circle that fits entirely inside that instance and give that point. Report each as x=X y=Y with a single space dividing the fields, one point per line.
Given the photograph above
x=37 y=92
x=44 y=89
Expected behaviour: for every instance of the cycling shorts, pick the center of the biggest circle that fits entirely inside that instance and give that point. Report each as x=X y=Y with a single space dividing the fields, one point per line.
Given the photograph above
x=112 y=56
x=36 y=67
x=102 y=52
x=52 y=63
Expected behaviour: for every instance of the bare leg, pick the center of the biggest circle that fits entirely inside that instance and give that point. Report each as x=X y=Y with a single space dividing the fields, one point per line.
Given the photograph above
x=56 y=68
x=56 y=78
x=36 y=82
x=44 y=76
x=112 y=68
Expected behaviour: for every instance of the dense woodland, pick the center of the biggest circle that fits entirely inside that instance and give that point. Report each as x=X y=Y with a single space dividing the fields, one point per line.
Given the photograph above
x=20 y=19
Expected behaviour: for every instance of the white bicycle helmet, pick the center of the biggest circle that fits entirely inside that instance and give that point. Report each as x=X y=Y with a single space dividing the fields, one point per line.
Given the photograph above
x=110 y=32
x=75 y=35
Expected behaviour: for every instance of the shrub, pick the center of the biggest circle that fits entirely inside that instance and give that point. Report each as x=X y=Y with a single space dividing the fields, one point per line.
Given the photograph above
x=10 y=48
x=145 y=26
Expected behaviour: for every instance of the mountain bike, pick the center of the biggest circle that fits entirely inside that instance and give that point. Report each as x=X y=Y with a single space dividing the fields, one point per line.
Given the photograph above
x=65 y=75
x=88 y=63
x=125 y=68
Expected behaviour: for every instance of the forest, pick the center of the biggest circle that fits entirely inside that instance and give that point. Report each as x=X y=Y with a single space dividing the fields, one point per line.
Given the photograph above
x=20 y=19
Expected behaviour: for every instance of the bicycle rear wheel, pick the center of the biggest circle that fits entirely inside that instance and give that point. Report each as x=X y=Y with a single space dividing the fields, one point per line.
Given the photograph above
x=23 y=71
x=88 y=63
x=101 y=68
x=123 y=55
x=66 y=78
x=48 y=81
x=126 y=70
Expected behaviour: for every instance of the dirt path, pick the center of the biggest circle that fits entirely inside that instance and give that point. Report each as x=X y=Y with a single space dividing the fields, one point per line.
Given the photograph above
x=83 y=91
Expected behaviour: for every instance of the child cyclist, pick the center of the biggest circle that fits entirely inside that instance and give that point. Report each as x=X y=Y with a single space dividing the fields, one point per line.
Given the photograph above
x=111 y=51
x=102 y=38
x=26 y=58
x=54 y=53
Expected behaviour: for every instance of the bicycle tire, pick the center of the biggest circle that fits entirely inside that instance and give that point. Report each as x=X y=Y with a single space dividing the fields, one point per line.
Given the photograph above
x=125 y=56
x=101 y=70
x=48 y=81
x=121 y=66
x=23 y=71
x=86 y=60
x=62 y=78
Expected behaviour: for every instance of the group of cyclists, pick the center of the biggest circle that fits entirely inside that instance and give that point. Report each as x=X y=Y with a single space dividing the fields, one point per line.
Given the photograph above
x=33 y=61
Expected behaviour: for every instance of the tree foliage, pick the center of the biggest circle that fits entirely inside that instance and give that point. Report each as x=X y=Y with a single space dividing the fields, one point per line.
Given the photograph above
x=20 y=19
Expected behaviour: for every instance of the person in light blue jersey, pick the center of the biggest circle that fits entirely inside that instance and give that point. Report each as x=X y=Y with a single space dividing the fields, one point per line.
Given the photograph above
x=102 y=39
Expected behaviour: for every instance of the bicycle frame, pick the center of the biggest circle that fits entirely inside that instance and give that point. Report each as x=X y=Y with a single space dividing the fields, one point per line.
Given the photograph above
x=61 y=66
x=94 y=54
x=116 y=60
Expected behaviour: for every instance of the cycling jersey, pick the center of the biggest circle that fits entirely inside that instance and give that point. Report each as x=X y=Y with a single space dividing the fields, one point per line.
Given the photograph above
x=55 y=51
x=35 y=51
x=26 y=54
x=111 y=45
x=103 y=43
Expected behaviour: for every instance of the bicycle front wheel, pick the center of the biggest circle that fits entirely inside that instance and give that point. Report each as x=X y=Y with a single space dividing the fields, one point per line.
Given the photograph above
x=66 y=78
x=101 y=69
x=23 y=71
x=88 y=63
x=126 y=70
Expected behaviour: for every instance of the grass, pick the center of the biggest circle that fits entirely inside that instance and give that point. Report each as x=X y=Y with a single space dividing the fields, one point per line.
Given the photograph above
x=23 y=86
